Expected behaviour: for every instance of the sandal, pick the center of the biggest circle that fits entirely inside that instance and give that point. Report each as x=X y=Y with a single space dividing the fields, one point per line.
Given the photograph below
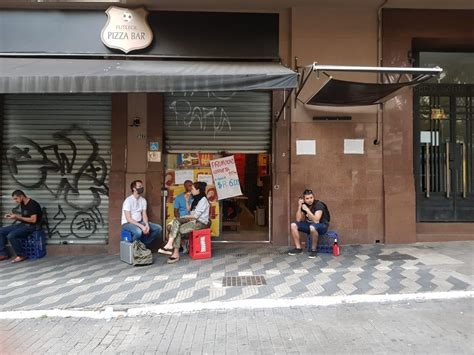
x=172 y=260
x=165 y=251
x=18 y=259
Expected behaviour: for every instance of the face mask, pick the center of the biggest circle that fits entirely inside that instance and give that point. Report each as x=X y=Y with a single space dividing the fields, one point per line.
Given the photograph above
x=140 y=190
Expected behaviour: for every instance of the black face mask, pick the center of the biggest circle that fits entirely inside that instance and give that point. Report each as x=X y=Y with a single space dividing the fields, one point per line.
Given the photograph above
x=140 y=190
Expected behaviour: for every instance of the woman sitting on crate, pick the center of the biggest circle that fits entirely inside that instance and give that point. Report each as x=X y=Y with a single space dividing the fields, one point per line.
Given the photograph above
x=198 y=219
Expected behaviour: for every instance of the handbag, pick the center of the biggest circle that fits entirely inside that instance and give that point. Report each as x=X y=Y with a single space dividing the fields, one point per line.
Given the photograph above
x=141 y=255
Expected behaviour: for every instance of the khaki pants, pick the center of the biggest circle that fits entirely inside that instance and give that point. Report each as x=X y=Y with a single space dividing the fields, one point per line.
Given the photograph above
x=179 y=228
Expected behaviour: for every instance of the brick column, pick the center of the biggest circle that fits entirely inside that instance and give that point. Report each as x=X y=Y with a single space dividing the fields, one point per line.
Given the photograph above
x=117 y=169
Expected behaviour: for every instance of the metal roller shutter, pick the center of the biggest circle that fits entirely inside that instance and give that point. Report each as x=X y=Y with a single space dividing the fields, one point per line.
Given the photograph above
x=238 y=122
x=56 y=148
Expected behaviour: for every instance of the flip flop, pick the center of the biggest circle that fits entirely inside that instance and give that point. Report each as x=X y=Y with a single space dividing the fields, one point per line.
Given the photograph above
x=165 y=251
x=18 y=259
x=172 y=260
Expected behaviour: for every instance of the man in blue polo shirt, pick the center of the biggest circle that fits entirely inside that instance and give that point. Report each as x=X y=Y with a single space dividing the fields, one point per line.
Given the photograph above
x=182 y=202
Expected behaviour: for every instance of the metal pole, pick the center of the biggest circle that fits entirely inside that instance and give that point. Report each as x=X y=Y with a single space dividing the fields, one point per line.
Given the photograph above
x=164 y=194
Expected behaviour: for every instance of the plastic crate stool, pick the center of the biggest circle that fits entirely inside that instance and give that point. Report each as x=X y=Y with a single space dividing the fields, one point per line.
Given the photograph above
x=325 y=242
x=35 y=245
x=200 y=244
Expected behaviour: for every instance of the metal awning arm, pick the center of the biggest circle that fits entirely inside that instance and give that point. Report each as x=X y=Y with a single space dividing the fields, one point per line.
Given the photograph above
x=395 y=70
x=284 y=105
x=303 y=81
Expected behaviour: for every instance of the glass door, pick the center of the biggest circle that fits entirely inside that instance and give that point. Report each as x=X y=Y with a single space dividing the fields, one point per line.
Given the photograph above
x=443 y=151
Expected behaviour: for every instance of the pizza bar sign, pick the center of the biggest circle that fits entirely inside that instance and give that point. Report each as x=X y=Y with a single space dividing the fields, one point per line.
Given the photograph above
x=126 y=29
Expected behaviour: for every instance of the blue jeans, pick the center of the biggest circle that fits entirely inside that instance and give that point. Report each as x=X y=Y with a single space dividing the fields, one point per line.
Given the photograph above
x=137 y=233
x=13 y=234
x=321 y=228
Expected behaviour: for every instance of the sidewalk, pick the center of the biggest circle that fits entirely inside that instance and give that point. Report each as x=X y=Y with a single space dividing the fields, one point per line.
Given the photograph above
x=94 y=282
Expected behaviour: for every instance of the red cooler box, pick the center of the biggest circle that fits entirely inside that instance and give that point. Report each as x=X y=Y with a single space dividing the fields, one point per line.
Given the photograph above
x=200 y=244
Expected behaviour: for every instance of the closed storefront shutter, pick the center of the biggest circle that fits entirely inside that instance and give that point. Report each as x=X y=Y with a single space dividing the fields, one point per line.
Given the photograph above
x=217 y=122
x=56 y=148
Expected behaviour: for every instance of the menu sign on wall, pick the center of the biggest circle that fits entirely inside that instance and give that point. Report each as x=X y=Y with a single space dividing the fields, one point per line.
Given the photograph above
x=126 y=29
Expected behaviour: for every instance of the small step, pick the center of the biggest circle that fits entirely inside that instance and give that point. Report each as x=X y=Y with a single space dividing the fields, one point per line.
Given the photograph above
x=443 y=237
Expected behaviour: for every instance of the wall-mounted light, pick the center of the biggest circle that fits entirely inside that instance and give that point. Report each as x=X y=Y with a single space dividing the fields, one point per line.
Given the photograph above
x=135 y=122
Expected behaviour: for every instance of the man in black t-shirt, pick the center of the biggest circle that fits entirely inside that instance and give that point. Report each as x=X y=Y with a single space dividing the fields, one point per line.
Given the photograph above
x=310 y=219
x=27 y=222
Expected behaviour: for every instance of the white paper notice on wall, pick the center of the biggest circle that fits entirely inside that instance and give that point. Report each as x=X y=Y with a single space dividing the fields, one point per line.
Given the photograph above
x=180 y=176
x=353 y=146
x=305 y=147
x=431 y=137
x=206 y=178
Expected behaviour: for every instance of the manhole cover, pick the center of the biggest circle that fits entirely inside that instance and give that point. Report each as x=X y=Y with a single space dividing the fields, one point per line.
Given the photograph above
x=396 y=256
x=243 y=281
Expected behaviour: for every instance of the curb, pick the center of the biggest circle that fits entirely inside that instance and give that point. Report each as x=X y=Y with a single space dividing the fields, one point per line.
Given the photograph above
x=150 y=310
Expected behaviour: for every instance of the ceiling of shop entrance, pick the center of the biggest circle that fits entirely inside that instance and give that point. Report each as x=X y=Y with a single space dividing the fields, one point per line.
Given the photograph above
x=237 y=5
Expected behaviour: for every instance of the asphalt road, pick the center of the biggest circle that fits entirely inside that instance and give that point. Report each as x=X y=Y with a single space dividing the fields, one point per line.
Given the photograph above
x=428 y=327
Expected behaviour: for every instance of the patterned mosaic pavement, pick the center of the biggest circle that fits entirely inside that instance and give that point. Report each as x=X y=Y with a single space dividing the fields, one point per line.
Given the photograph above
x=93 y=282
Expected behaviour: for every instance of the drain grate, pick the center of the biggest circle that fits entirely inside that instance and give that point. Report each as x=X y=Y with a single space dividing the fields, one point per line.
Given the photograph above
x=396 y=256
x=243 y=281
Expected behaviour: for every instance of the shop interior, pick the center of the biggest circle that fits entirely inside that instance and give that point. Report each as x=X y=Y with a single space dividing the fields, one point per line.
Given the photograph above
x=243 y=218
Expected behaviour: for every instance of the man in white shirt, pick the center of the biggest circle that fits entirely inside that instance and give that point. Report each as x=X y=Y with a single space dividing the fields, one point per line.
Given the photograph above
x=135 y=218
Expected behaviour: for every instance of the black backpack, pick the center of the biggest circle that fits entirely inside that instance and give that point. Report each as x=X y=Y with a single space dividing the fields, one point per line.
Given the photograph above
x=326 y=213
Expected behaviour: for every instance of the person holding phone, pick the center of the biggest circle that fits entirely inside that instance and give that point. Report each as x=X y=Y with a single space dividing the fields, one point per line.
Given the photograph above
x=24 y=224
x=311 y=218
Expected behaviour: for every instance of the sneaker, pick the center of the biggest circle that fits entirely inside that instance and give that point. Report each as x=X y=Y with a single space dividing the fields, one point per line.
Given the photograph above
x=313 y=254
x=295 y=251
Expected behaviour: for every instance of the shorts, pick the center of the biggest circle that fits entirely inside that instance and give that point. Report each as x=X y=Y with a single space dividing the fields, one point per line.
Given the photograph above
x=322 y=228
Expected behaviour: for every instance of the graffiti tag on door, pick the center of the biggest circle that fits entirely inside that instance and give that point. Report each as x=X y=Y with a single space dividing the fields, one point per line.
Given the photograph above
x=70 y=169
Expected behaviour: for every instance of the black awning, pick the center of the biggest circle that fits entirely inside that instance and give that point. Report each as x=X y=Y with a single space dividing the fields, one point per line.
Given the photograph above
x=348 y=93
x=33 y=75
x=336 y=92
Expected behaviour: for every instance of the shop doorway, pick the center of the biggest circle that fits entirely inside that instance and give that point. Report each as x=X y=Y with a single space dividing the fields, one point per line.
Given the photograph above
x=246 y=217
x=203 y=126
x=243 y=218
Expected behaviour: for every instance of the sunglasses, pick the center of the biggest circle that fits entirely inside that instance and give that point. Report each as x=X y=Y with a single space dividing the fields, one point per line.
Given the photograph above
x=307 y=192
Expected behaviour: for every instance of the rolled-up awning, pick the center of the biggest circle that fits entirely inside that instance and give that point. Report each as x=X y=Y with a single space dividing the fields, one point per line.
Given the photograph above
x=336 y=92
x=47 y=75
